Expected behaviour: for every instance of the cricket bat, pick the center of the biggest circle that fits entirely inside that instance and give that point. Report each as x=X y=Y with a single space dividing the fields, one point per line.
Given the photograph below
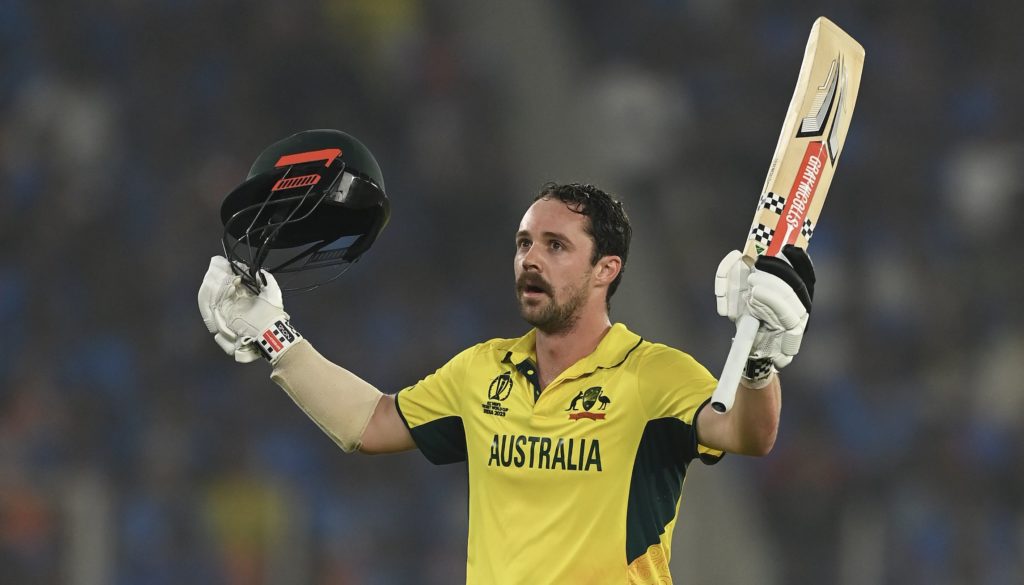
x=801 y=171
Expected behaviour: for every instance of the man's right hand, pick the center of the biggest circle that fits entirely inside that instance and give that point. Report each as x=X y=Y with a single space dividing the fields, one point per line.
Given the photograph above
x=245 y=325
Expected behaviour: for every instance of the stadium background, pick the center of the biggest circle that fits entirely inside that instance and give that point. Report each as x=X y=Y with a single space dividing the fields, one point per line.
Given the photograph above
x=133 y=452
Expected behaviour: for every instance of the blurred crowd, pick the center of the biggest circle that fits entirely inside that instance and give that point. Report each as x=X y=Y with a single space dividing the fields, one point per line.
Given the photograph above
x=132 y=451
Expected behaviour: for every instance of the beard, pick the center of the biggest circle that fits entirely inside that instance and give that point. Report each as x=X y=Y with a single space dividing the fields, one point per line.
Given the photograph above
x=550 y=316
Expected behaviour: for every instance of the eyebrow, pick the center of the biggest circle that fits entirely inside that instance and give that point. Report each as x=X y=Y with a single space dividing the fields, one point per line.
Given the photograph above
x=548 y=235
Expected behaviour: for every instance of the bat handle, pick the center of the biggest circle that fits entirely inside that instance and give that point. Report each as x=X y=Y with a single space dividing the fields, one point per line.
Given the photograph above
x=725 y=393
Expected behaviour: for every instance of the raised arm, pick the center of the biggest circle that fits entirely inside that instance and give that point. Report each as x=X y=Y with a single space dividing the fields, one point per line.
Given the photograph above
x=778 y=292
x=353 y=413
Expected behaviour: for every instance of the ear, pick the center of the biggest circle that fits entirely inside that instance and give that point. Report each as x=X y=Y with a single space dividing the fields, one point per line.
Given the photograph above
x=607 y=269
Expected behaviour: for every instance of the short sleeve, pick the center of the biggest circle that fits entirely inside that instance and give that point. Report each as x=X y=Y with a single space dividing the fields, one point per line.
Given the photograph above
x=674 y=385
x=431 y=410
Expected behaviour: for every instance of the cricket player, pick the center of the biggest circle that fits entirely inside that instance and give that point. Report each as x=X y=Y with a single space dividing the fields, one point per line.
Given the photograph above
x=577 y=435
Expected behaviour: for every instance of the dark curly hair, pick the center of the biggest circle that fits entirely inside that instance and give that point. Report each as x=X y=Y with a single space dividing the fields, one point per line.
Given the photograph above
x=608 y=226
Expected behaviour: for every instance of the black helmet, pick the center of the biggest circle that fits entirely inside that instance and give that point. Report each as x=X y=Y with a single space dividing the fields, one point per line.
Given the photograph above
x=313 y=200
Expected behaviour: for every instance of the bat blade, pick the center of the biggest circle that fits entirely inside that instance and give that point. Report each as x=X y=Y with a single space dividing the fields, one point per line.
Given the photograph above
x=810 y=144
x=801 y=171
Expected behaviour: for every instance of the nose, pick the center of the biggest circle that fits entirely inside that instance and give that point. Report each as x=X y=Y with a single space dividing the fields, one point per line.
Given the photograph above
x=529 y=260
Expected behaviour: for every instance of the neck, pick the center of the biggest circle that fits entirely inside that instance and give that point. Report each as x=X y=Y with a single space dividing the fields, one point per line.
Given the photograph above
x=557 y=351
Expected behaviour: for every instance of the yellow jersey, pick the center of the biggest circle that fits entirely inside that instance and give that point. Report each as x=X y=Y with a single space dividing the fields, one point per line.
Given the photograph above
x=576 y=483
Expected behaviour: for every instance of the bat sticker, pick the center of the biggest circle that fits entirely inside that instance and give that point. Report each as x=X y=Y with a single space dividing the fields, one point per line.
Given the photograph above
x=813 y=124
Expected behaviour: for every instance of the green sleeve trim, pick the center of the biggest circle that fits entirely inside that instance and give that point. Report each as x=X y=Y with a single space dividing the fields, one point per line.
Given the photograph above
x=442 y=441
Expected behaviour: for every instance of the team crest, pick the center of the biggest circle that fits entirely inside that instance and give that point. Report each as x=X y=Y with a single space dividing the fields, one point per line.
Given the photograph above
x=497 y=392
x=589 y=398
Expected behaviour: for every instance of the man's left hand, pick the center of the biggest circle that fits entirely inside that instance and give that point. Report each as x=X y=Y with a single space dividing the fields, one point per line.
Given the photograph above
x=781 y=289
x=778 y=292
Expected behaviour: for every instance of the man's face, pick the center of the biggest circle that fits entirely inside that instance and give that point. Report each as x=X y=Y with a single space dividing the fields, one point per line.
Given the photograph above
x=552 y=266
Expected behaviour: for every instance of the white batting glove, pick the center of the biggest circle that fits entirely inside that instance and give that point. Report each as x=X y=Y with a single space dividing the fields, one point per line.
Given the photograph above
x=783 y=319
x=218 y=277
x=731 y=286
x=781 y=291
x=245 y=325
x=778 y=293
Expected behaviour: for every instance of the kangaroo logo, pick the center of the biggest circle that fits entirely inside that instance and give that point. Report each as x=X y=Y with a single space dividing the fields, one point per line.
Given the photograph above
x=589 y=397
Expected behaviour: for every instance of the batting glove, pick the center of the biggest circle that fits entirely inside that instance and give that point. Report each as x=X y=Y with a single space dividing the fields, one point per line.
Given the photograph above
x=778 y=293
x=731 y=286
x=245 y=325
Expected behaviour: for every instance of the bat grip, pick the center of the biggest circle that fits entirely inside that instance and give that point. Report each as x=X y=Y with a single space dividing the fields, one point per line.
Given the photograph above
x=725 y=393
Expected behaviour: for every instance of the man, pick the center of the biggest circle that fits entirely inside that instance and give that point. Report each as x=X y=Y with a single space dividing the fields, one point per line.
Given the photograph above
x=578 y=434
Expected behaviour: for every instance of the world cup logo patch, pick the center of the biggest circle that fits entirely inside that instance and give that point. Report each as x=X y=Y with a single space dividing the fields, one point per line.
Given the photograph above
x=501 y=387
x=498 y=392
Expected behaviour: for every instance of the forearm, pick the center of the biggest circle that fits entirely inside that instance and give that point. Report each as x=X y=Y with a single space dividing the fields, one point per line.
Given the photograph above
x=755 y=417
x=338 y=401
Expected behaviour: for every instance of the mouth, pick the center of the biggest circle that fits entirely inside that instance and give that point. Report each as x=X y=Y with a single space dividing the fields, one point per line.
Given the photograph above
x=533 y=288
x=532 y=291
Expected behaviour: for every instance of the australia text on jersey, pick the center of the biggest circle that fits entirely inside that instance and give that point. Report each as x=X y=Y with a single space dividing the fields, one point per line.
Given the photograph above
x=535 y=452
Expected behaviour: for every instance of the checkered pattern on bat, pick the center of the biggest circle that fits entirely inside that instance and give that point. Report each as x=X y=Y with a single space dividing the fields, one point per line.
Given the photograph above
x=808 y=230
x=762 y=234
x=773 y=202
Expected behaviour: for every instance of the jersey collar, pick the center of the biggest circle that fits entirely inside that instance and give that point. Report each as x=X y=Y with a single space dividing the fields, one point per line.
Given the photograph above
x=610 y=352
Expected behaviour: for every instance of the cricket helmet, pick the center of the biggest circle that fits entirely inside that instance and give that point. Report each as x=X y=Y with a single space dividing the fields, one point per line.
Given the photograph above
x=311 y=201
